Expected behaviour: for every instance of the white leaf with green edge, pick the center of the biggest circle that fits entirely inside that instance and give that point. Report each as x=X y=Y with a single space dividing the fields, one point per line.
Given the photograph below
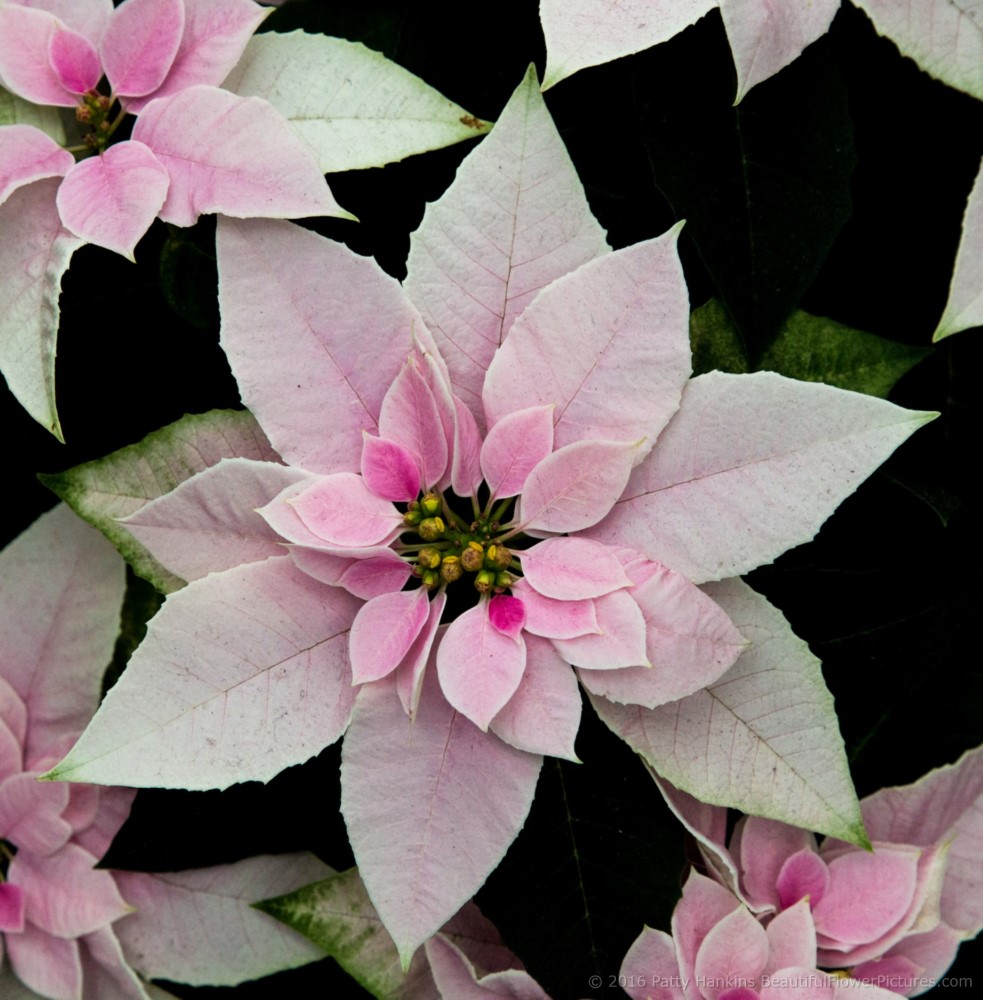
x=355 y=107
x=338 y=916
x=514 y=220
x=808 y=348
x=126 y=480
x=964 y=307
x=34 y=255
x=241 y=674
x=200 y=927
x=15 y=110
x=763 y=739
x=582 y=33
x=945 y=37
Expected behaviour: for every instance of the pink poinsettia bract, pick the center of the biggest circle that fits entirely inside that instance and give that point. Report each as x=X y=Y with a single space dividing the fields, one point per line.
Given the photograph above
x=194 y=148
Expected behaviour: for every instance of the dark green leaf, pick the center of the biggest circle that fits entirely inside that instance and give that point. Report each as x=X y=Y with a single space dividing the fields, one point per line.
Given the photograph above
x=764 y=186
x=809 y=348
x=188 y=275
x=600 y=856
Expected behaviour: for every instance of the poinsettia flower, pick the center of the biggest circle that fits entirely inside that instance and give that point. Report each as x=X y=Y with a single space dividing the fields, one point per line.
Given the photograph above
x=67 y=928
x=198 y=149
x=893 y=916
x=499 y=480
x=719 y=951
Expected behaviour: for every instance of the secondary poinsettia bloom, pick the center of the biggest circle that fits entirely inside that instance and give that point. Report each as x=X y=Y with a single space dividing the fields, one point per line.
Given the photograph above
x=58 y=621
x=893 y=916
x=194 y=148
x=70 y=930
x=719 y=951
x=509 y=446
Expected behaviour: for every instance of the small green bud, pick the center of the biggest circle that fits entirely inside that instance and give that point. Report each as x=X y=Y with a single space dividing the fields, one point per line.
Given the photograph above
x=430 y=578
x=431 y=528
x=431 y=504
x=503 y=580
x=484 y=581
x=412 y=518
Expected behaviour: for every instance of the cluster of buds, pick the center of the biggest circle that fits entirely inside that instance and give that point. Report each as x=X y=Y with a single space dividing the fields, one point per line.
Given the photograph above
x=456 y=550
x=94 y=112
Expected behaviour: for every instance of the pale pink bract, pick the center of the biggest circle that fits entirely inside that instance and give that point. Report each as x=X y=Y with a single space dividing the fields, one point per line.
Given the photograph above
x=199 y=149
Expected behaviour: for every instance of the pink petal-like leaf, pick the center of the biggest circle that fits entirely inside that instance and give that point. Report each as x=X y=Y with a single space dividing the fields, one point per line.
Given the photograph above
x=791 y=938
x=479 y=667
x=383 y=632
x=409 y=416
x=342 y=333
x=140 y=44
x=26 y=155
x=215 y=34
x=374 y=575
x=750 y=466
x=49 y=965
x=106 y=971
x=514 y=219
x=543 y=715
x=411 y=672
x=466 y=452
x=74 y=60
x=11 y=907
x=868 y=893
x=61 y=588
x=945 y=805
x=803 y=876
x=111 y=199
x=763 y=739
x=209 y=523
x=241 y=674
x=34 y=254
x=424 y=839
x=571 y=569
x=623 y=323
x=507 y=614
x=620 y=642
x=689 y=641
x=389 y=470
x=342 y=510
x=25 y=69
x=514 y=447
x=64 y=893
x=89 y=17
x=764 y=37
x=576 y=486
x=232 y=155
x=652 y=960
x=30 y=814
x=703 y=905
x=456 y=977
x=762 y=847
x=172 y=933
x=735 y=949
x=555 y=619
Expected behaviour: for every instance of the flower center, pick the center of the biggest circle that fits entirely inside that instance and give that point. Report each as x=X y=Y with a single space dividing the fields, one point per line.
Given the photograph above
x=452 y=547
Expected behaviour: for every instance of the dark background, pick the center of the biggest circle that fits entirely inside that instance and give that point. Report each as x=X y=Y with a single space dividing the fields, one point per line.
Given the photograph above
x=887 y=596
